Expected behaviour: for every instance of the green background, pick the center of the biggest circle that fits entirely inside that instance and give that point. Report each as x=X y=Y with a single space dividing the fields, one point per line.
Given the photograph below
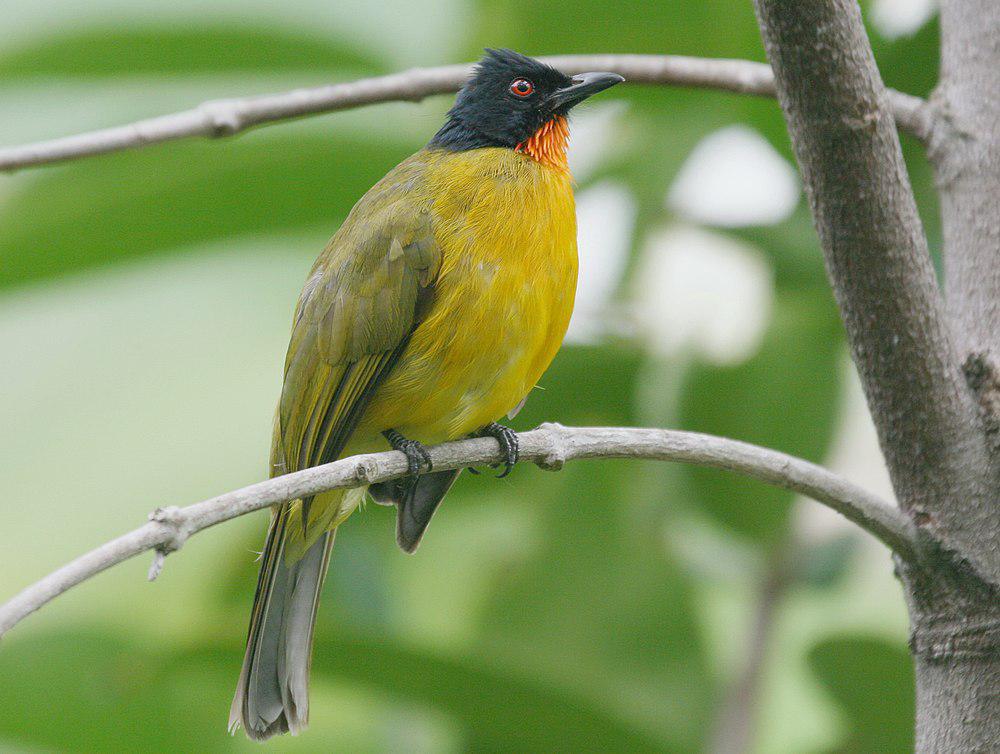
x=145 y=301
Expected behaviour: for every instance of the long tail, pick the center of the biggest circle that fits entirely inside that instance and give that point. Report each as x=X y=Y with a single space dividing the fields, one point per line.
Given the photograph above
x=272 y=694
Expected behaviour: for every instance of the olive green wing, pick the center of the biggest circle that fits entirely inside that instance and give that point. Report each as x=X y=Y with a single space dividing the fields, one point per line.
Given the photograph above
x=364 y=297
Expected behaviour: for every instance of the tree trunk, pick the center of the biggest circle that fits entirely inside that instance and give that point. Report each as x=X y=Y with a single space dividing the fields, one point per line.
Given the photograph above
x=955 y=641
x=956 y=627
x=937 y=423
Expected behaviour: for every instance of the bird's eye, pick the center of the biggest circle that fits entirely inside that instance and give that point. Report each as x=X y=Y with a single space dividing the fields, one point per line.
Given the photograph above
x=521 y=88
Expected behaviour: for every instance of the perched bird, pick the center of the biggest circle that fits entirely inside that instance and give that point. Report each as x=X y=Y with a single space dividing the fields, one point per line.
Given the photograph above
x=431 y=314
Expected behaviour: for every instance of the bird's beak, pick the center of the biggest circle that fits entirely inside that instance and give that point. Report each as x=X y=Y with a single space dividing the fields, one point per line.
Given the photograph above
x=584 y=85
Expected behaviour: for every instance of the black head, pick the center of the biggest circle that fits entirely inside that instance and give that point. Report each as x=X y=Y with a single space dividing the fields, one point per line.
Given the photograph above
x=509 y=97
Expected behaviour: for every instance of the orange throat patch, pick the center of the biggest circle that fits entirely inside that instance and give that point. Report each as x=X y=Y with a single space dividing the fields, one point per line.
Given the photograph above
x=548 y=144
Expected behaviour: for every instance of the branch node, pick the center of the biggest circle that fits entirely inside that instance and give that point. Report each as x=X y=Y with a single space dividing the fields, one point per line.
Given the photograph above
x=156 y=567
x=983 y=377
x=555 y=454
x=177 y=528
x=365 y=471
x=867 y=117
x=945 y=641
x=223 y=116
x=176 y=525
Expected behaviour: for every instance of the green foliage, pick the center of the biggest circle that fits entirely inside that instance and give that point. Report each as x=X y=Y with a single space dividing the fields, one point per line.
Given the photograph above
x=68 y=684
x=170 y=51
x=683 y=28
x=872 y=681
x=169 y=197
x=789 y=385
x=167 y=700
x=826 y=564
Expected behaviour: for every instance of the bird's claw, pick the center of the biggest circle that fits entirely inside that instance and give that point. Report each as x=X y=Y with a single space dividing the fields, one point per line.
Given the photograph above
x=507 y=439
x=416 y=454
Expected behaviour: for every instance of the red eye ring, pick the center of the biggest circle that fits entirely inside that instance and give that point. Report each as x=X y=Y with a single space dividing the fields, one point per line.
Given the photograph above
x=521 y=88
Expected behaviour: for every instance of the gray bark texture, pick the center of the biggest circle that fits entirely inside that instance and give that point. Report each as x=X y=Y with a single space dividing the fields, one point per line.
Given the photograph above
x=926 y=366
x=965 y=149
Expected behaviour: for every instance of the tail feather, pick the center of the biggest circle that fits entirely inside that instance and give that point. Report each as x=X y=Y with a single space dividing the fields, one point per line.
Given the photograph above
x=415 y=502
x=272 y=694
x=300 y=618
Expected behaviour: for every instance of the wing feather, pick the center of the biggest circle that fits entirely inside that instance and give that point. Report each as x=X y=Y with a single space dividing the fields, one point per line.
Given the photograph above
x=363 y=299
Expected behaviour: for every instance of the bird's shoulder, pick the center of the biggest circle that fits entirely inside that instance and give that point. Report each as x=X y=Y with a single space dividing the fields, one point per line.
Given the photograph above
x=363 y=292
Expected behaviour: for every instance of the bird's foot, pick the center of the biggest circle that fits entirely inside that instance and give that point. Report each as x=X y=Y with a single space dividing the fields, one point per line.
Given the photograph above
x=507 y=439
x=416 y=454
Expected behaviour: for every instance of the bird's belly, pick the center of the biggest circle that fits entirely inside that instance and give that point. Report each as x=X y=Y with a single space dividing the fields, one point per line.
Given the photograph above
x=494 y=327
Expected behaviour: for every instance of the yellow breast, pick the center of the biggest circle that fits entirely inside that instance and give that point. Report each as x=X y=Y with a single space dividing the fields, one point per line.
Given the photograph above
x=506 y=226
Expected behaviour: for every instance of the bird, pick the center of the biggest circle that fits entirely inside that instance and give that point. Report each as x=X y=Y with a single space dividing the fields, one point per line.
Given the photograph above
x=429 y=316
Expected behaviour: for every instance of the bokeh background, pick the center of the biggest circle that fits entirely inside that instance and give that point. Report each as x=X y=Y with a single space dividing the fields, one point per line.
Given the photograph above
x=145 y=302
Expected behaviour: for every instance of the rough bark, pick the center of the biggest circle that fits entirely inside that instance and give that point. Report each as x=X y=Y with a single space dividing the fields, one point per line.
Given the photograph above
x=933 y=426
x=966 y=153
x=956 y=619
x=955 y=642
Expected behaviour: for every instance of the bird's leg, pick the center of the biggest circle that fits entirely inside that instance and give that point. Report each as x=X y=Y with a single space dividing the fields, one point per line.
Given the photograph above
x=507 y=438
x=416 y=454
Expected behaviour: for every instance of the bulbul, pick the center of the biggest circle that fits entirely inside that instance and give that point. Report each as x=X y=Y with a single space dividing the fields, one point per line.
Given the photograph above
x=431 y=313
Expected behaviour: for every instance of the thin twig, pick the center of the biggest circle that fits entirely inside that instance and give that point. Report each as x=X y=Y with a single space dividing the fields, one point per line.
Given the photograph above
x=549 y=446
x=226 y=117
x=736 y=724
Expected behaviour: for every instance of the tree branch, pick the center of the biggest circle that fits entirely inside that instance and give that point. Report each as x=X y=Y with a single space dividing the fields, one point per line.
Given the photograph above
x=877 y=259
x=227 y=117
x=549 y=446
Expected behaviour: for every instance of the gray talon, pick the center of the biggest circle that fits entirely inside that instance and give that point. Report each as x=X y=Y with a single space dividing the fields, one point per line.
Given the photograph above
x=507 y=438
x=416 y=454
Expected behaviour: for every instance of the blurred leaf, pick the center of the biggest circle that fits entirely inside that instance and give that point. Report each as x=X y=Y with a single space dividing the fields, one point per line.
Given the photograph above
x=785 y=398
x=170 y=50
x=600 y=605
x=910 y=63
x=98 y=692
x=793 y=250
x=139 y=203
x=499 y=710
x=872 y=680
x=596 y=26
x=586 y=385
x=825 y=564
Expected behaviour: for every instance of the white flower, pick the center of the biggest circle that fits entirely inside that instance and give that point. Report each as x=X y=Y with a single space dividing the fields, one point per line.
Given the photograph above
x=900 y=18
x=734 y=177
x=701 y=292
x=605 y=219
